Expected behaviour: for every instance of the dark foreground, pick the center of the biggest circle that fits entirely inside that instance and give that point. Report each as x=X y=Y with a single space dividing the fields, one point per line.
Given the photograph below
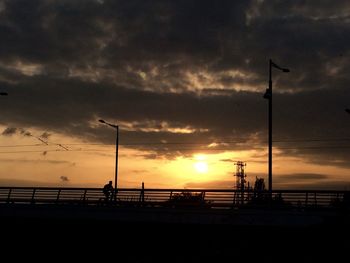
x=122 y=242
x=67 y=239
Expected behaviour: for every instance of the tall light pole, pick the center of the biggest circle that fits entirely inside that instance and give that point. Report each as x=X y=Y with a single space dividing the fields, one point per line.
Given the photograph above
x=116 y=151
x=268 y=96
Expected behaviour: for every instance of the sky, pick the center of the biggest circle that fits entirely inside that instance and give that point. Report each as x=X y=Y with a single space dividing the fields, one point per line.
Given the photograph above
x=184 y=80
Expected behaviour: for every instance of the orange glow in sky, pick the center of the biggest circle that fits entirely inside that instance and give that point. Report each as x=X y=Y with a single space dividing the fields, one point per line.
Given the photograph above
x=29 y=162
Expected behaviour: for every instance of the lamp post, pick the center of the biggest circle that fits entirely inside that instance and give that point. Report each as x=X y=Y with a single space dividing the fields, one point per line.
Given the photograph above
x=116 y=151
x=268 y=96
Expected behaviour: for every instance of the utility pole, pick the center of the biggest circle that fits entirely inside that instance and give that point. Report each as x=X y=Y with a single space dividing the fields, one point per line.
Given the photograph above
x=268 y=96
x=116 y=152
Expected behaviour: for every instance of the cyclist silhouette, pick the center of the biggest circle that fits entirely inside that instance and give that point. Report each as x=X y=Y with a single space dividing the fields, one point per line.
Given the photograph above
x=108 y=191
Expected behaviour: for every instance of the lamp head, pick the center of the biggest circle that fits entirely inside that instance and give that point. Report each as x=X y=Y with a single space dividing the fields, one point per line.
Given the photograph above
x=278 y=67
x=3 y=94
x=347 y=110
x=102 y=121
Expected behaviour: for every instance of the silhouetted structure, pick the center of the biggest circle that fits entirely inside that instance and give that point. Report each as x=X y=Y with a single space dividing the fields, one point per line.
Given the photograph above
x=268 y=96
x=240 y=180
x=187 y=199
x=259 y=191
x=116 y=151
x=259 y=185
x=213 y=199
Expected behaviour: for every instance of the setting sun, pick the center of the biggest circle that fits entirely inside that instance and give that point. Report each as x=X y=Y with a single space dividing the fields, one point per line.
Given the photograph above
x=201 y=167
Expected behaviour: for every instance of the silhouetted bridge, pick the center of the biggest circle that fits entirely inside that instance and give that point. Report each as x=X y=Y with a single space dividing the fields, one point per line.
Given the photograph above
x=213 y=198
x=176 y=205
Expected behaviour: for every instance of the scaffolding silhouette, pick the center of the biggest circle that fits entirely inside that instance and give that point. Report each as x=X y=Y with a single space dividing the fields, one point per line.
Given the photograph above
x=240 y=182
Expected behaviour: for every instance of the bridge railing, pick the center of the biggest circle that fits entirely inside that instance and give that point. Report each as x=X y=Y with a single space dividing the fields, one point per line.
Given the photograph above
x=213 y=198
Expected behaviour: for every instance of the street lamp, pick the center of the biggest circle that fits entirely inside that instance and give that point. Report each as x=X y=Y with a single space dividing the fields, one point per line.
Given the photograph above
x=268 y=96
x=116 y=150
x=347 y=110
x=3 y=94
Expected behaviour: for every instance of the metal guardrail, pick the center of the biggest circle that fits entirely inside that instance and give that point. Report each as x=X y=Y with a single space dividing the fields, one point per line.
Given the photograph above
x=213 y=198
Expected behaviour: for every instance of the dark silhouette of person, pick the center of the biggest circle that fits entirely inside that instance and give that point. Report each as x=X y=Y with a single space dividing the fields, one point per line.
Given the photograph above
x=108 y=191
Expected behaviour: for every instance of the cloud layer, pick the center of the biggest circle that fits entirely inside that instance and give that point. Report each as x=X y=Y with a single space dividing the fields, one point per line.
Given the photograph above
x=190 y=72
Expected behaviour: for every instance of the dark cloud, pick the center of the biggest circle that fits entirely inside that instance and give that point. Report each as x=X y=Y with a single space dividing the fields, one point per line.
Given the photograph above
x=301 y=116
x=250 y=160
x=139 y=171
x=309 y=181
x=45 y=135
x=24 y=132
x=64 y=178
x=149 y=156
x=7 y=182
x=302 y=176
x=227 y=160
x=12 y=130
x=158 y=68
x=9 y=131
x=120 y=42
x=318 y=185
x=31 y=161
